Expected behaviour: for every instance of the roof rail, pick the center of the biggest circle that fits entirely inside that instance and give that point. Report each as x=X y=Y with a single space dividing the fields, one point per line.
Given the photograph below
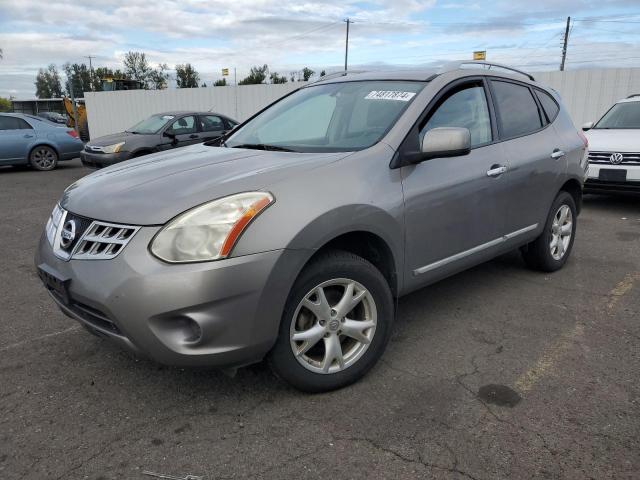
x=486 y=65
x=633 y=95
x=341 y=73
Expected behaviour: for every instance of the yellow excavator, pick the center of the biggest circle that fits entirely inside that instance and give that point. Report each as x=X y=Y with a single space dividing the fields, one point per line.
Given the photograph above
x=76 y=108
x=77 y=117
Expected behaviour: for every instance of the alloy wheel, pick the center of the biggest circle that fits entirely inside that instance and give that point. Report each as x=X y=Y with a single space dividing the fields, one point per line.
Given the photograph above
x=333 y=326
x=561 y=230
x=44 y=158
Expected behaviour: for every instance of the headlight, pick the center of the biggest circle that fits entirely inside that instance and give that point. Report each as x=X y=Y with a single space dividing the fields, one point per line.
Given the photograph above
x=115 y=148
x=53 y=223
x=210 y=231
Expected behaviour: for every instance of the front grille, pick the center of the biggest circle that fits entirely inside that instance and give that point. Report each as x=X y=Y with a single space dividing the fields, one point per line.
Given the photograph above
x=604 y=158
x=81 y=238
x=90 y=149
x=103 y=241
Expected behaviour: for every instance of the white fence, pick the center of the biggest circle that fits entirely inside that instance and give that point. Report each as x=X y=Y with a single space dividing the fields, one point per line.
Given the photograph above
x=587 y=94
x=110 y=112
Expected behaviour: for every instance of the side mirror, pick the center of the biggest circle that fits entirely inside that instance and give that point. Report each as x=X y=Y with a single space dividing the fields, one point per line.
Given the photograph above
x=587 y=126
x=445 y=142
x=170 y=135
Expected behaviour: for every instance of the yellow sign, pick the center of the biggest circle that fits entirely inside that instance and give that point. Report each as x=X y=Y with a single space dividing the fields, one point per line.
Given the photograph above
x=480 y=55
x=225 y=72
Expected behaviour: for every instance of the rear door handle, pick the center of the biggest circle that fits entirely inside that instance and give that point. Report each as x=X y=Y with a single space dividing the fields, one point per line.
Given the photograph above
x=496 y=170
x=28 y=135
x=193 y=136
x=557 y=153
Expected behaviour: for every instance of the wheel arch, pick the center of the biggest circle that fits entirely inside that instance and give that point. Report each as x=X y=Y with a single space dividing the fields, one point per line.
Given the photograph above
x=574 y=188
x=369 y=246
x=43 y=143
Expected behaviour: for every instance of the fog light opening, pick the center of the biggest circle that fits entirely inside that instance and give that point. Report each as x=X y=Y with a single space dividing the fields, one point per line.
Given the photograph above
x=192 y=332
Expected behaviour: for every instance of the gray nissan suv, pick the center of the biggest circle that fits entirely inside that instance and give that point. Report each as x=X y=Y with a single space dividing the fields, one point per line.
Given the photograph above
x=290 y=238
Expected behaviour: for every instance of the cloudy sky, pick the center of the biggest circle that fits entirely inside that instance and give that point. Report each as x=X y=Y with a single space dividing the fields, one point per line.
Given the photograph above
x=291 y=34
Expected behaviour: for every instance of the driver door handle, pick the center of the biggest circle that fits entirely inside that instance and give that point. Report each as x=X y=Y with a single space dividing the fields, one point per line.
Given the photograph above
x=557 y=153
x=496 y=170
x=193 y=136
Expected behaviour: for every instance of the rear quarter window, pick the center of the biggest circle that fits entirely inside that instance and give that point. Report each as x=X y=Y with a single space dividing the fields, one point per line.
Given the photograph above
x=517 y=109
x=549 y=105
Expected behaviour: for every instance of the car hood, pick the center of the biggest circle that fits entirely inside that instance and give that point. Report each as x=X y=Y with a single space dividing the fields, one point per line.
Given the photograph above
x=605 y=140
x=111 y=139
x=155 y=188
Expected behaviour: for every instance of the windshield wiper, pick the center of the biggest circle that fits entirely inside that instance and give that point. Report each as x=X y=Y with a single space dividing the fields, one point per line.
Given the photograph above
x=264 y=146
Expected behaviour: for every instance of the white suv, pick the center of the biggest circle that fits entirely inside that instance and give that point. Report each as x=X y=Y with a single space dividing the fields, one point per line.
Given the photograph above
x=614 y=149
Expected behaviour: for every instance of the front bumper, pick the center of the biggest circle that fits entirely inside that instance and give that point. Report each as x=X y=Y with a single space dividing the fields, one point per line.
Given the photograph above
x=597 y=183
x=99 y=160
x=223 y=313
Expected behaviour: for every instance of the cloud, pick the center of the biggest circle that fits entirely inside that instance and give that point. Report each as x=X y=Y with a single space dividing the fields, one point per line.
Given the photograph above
x=289 y=34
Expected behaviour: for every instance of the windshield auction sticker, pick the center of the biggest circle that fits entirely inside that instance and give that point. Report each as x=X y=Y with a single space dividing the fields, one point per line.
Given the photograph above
x=390 y=95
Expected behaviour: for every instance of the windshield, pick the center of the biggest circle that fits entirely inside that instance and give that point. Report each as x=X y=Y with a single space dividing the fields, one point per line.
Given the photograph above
x=151 y=125
x=335 y=117
x=621 y=115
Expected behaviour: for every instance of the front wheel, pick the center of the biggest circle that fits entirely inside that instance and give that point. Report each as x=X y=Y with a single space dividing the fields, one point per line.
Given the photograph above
x=43 y=158
x=550 y=251
x=335 y=325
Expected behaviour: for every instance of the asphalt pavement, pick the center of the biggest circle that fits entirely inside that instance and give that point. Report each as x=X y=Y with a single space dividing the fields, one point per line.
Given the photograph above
x=498 y=372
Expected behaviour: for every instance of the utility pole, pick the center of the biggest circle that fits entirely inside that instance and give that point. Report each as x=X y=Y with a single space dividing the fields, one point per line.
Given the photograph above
x=346 y=46
x=90 y=70
x=565 y=43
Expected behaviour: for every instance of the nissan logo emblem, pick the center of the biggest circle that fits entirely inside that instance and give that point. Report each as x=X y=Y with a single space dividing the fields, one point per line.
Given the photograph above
x=616 y=158
x=68 y=234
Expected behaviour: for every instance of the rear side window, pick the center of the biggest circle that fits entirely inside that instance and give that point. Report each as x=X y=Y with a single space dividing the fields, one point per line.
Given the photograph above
x=549 y=105
x=517 y=109
x=13 y=123
x=211 y=123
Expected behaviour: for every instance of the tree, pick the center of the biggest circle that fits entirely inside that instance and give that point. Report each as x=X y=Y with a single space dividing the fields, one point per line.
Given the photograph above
x=307 y=73
x=159 y=77
x=48 y=83
x=256 y=75
x=5 y=104
x=187 y=76
x=276 y=78
x=322 y=73
x=220 y=83
x=78 y=79
x=137 y=67
x=204 y=85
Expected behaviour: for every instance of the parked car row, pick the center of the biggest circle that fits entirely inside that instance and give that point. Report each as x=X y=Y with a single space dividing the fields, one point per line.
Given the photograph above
x=154 y=134
x=30 y=140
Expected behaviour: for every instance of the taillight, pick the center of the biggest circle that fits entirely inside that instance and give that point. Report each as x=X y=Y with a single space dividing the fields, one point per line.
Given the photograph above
x=584 y=138
x=72 y=133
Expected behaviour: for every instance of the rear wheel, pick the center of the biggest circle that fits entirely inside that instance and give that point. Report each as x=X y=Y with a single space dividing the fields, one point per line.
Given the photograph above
x=336 y=323
x=550 y=251
x=43 y=158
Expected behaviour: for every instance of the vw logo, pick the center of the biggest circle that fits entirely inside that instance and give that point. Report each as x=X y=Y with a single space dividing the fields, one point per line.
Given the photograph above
x=616 y=158
x=68 y=234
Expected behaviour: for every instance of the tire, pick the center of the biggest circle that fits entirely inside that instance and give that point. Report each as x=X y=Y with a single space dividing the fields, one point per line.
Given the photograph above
x=43 y=158
x=541 y=254
x=370 y=317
